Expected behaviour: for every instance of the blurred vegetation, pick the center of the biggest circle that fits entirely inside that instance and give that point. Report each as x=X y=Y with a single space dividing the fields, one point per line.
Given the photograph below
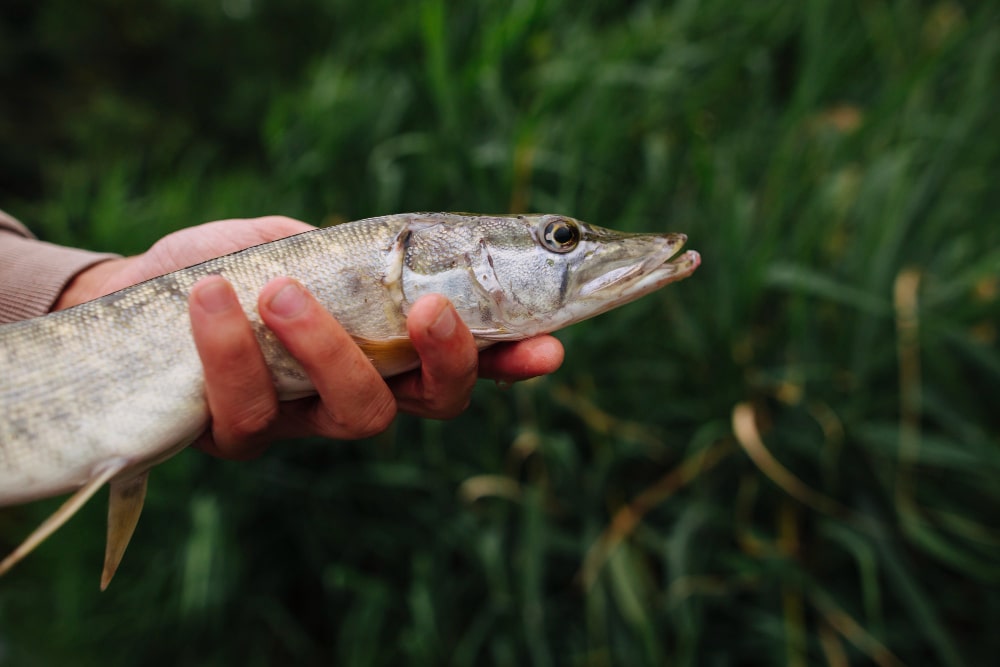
x=791 y=458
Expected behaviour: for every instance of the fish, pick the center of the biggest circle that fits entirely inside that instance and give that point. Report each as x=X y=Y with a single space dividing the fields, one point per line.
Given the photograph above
x=100 y=393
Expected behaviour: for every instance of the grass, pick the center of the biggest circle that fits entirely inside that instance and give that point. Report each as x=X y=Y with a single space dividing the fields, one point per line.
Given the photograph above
x=788 y=459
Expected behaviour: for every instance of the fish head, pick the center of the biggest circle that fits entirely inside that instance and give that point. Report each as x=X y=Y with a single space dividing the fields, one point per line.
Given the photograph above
x=513 y=277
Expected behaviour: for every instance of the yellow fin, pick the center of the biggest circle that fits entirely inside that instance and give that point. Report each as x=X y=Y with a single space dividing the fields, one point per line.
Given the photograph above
x=390 y=356
x=63 y=514
x=124 y=508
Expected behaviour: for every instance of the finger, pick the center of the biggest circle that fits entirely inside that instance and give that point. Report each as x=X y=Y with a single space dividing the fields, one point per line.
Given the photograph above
x=442 y=387
x=238 y=386
x=530 y=358
x=354 y=400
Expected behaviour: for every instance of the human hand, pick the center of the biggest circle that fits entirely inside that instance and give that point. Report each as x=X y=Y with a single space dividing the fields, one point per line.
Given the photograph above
x=352 y=400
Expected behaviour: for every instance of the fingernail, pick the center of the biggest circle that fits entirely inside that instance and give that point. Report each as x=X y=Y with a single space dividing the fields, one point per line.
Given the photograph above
x=214 y=296
x=444 y=325
x=288 y=302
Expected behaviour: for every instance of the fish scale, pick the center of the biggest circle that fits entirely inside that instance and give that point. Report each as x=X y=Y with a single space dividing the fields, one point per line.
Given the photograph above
x=101 y=392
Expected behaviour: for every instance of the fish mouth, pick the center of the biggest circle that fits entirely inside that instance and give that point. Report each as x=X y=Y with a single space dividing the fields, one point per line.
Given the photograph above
x=664 y=265
x=677 y=268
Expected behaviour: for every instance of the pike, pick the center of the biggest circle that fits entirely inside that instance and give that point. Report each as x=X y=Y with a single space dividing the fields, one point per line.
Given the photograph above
x=102 y=392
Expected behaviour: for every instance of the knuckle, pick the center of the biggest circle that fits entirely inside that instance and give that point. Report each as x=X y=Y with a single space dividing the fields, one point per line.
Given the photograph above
x=376 y=418
x=447 y=406
x=278 y=219
x=470 y=369
x=251 y=423
x=448 y=396
x=281 y=222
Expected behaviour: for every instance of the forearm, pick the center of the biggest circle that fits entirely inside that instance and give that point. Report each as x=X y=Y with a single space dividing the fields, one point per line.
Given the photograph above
x=34 y=273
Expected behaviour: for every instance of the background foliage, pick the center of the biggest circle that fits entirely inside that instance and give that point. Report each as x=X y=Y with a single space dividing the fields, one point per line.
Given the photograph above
x=791 y=458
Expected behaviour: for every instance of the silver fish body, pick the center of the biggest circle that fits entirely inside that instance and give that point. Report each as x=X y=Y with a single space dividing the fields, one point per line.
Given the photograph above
x=107 y=389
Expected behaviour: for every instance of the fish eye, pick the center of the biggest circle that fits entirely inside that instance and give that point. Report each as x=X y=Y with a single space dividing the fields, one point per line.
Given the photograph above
x=560 y=235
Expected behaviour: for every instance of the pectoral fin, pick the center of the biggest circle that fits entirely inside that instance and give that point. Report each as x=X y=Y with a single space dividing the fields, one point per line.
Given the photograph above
x=63 y=514
x=391 y=356
x=124 y=508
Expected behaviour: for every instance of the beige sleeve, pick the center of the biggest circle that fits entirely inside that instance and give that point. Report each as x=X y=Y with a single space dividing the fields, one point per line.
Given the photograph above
x=33 y=273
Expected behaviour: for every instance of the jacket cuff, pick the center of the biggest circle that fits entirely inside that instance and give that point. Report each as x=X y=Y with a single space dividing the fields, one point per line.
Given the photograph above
x=34 y=273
